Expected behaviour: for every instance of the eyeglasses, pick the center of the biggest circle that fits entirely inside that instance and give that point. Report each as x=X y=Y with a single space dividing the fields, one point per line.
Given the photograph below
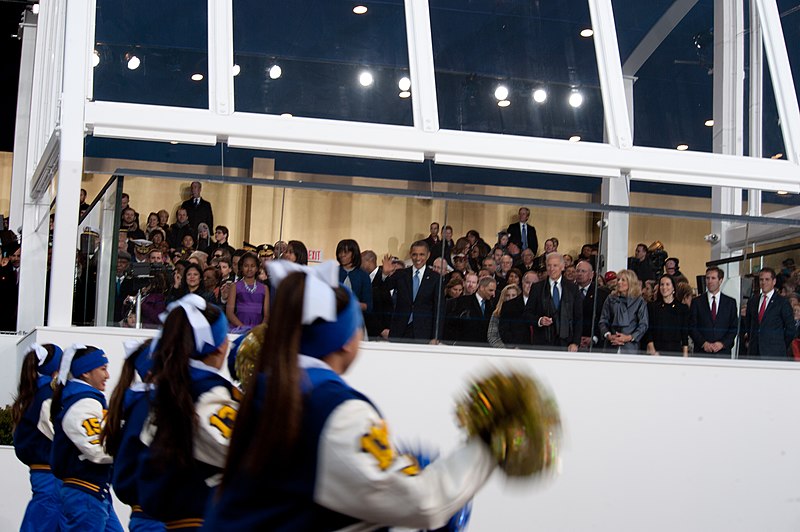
x=217 y=256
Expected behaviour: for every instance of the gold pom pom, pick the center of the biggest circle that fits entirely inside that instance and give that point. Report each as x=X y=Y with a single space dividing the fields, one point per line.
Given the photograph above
x=247 y=356
x=517 y=417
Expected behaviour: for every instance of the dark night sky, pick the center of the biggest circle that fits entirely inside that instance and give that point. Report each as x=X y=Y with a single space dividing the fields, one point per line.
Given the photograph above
x=10 y=15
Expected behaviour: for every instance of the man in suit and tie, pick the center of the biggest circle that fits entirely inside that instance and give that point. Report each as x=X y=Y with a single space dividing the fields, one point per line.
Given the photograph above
x=556 y=310
x=198 y=209
x=593 y=299
x=515 y=327
x=378 y=319
x=522 y=233
x=418 y=312
x=768 y=322
x=713 y=319
x=468 y=319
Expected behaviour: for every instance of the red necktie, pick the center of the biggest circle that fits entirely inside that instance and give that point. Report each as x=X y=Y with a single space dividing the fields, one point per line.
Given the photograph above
x=762 y=309
x=713 y=308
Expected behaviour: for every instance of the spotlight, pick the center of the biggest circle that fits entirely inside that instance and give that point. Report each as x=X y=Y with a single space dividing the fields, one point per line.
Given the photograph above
x=286 y=115
x=404 y=84
x=366 y=79
x=405 y=94
x=236 y=70
x=503 y=103
x=709 y=123
x=173 y=142
x=539 y=95
x=197 y=77
x=35 y=8
x=682 y=147
x=95 y=56
x=133 y=61
x=360 y=10
x=575 y=99
x=275 y=72
x=575 y=138
x=782 y=193
x=501 y=92
x=588 y=32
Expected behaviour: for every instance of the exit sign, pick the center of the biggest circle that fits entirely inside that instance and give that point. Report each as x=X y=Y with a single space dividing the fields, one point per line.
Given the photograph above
x=314 y=255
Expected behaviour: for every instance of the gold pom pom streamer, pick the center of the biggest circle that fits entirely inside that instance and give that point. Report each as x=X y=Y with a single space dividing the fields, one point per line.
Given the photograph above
x=248 y=353
x=517 y=417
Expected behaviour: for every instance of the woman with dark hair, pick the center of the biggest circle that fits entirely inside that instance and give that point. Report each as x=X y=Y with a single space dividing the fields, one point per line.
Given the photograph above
x=668 y=322
x=77 y=458
x=33 y=435
x=192 y=283
x=348 y=253
x=127 y=413
x=192 y=411
x=248 y=299
x=319 y=448
x=154 y=298
x=295 y=252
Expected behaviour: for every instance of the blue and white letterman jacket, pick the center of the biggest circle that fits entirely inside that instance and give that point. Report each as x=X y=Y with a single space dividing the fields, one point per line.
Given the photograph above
x=33 y=436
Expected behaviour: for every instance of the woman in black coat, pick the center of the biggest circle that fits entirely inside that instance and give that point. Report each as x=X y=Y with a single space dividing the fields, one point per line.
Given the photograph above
x=668 y=332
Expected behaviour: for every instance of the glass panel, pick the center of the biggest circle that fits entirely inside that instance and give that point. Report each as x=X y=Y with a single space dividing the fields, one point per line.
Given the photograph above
x=152 y=52
x=518 y=68
x=790 y=22
x=320 y=59
x=673 y=88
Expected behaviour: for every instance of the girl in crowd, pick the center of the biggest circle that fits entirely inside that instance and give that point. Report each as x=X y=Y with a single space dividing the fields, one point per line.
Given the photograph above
x=77 y=457
x=127 y=413
x=159 y=239
x=33 y=435
x=296 y=252
x=668 y=322
x=248 y=299
x=211 y=279
x=192 y=411
x=316 y=446
x=623 y=320
x=510 y=291
x=348 y=253
x=204 y=240
x=152 y=222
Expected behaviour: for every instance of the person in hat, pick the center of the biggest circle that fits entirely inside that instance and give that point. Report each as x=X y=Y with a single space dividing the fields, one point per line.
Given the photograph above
x=33 y=435
x=248 y=299
x=142 y=250
x=610 y=279
x=77 y=458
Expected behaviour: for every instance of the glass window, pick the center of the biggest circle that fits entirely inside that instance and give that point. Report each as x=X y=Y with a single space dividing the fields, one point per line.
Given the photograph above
x=520 y=68
x=323 y=59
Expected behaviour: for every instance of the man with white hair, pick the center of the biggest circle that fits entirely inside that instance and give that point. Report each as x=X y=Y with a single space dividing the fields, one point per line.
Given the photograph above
x=555 y=308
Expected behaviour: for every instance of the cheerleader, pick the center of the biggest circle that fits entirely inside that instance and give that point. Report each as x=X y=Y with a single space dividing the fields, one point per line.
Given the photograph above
x=33 y=435
x=77 y=457
x=311 y=453
x=191 y=415
x=127 y=413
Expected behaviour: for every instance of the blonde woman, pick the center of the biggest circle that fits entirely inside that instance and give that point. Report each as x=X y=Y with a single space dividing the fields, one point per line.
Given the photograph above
x=493 y=336
x=624 y=320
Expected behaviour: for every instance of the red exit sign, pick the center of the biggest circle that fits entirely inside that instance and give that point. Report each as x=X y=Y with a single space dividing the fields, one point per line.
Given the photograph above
x=314 y=255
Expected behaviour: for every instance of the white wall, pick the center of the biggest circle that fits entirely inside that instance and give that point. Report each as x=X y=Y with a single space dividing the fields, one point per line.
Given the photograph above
x=651 y=444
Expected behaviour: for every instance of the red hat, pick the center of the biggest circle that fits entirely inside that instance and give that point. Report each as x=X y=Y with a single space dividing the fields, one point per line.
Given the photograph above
x=610 y=276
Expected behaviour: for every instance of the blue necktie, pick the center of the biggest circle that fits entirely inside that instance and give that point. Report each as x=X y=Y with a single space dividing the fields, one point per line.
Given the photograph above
x=524 y=236
x=483 y=307
x=556 y=297
x=415 y=285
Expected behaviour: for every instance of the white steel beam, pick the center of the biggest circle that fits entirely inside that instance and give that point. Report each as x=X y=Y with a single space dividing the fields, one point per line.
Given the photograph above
x=220 y=56
x=756 y=109
x=420 y=61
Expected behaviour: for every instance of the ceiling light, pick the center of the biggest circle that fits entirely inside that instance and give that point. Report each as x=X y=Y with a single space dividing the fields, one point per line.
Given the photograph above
x=588 y=32
x=95 y=56
x=286 y=115
x=236 y=70
x=275 y=72
x=35 y=8
x=404 y=94
x=360 y=10
x=575 y=138
x=777 y=156
x=133 y=62
x=709 y=123
x=682 y=147
x=404 y=84
x=782 y=193
x=366 y=79
x=173 y=142
x=501 y=92
x=539 y=95
x=503 y=103
x=576 y=99
x=197 y=77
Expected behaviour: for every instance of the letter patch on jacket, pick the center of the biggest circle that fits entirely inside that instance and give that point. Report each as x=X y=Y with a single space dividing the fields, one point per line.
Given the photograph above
x=223 y=420
x=376 y=443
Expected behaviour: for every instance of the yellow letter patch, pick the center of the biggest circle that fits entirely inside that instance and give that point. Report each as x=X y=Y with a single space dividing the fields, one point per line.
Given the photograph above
x=376 y=443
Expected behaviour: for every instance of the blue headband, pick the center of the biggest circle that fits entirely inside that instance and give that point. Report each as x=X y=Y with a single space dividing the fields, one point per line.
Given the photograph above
x=219 y=331
x=322 y=338
x=142 y=353
x=88 y=362
x=205 y=334
x=52 y=366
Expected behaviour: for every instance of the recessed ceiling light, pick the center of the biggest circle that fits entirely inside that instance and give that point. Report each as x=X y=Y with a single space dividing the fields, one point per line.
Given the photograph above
x=35 y=8
x=404 y=84
x=575 y=138
x=682 y=147
x=504 y=103
x=782 y=192
x=588 y=32
x=539 y=95
x=133 y=62
x=95 y=56
x=360 y=10
x=709 y=123
x=286 y=115
x=366 y=79
x=236 y=70
x=275 y=72
x=501 y=92
x=576 y=99
x=404 y=94
x=173 y=142
x=197 y=77
x=777 y=156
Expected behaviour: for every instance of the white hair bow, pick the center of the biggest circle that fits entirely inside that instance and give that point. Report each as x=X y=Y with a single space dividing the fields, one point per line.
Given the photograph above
x=41 y=353
x=66 y=362
x=131 y=346
x=319 y=300
x=194 y=306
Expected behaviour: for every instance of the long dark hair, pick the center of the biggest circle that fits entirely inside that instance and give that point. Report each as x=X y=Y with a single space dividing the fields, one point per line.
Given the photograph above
x=299 y=250
x=173 y=405
x=111 y=437
x=349 y=244
x=266 y=435
x=55 y=405
x=28 y=379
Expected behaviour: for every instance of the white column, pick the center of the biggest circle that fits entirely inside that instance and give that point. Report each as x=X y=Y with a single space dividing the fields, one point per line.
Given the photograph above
x=73 y=101
x=756 y=103
x=220 y=56
x=420 y=65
